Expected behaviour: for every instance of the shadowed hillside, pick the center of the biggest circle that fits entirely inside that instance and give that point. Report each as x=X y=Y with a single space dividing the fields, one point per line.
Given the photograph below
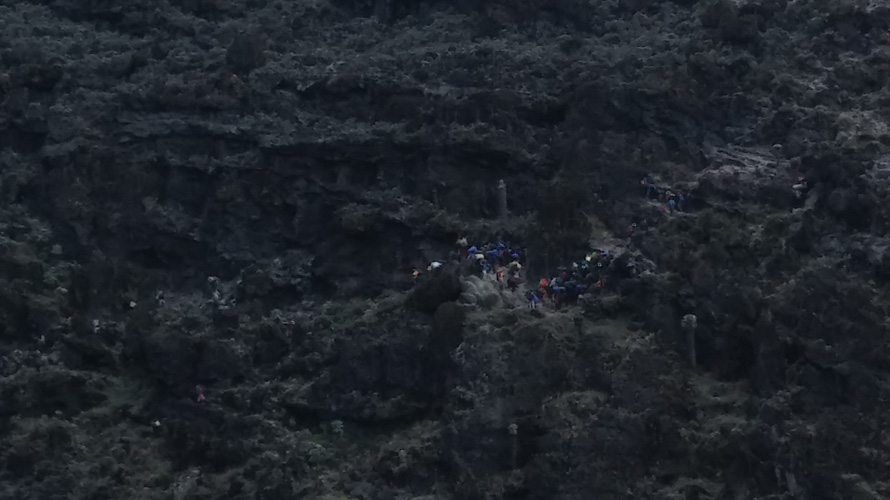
x=233 y=194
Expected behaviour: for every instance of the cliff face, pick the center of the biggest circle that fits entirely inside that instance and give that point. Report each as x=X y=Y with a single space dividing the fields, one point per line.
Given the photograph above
x=233 y=194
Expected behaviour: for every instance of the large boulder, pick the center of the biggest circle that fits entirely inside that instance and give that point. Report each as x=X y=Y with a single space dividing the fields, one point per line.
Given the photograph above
x=448 y=326
x=743 y=174
x=434 y=289
x=447 y=335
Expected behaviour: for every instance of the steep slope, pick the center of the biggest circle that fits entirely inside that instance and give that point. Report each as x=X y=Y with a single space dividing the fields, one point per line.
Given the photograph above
x=234 y=194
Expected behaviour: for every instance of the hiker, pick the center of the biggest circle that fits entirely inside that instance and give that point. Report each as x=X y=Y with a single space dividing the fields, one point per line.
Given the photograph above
x=544 y=284
x=533 y=303
x=462 y=242
x=513 y=283
x=478 y=263
x=672 y=204
x=434 y=265
x=681 y=201
x=416 y=274
x=558 y=292
x=472 y=251
x=651 y=188
x=572 y=292
x=492 y=257
x=800 y=188
x=514 y=268
x=199 y=391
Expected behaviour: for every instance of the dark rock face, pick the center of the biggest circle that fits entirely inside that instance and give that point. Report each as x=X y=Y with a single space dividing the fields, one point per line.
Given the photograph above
x=434 y=290
x=232 y=195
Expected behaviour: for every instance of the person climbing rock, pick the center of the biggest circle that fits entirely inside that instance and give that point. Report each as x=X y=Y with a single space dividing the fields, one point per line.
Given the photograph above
x=672 y=205
x=434 y=265
x=533 y=302
x=472 y=251
x=415 y=274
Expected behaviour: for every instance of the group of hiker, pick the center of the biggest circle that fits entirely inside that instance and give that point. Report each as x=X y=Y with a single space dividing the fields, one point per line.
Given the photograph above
x=499 y=260
x=675 y=200
x=571 y=283
x=502 y=261
x=503 y=264
x=671 y=200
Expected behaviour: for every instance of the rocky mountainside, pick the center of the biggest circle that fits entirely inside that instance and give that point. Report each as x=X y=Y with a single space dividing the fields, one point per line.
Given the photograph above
x=226 y=198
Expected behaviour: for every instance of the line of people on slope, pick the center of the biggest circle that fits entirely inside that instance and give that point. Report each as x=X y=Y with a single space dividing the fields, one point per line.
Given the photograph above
x=676 y=200
x=671 y=200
